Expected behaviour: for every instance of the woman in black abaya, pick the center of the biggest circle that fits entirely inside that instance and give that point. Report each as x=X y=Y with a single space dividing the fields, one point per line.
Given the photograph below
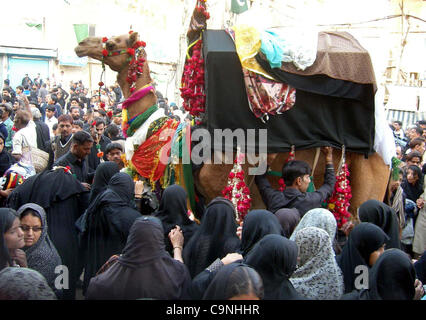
x=103 y=174
x=391 y=278
x=235 y=281
x=109 y=218
x=275 y=258
x=215 y=238
x=257 y=224
x=365 y=244
x=172 y=212
x=144 y=269
x=64 y=199
x=383 y=216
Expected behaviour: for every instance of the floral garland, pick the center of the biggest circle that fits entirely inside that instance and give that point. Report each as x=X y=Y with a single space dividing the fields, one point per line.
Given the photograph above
x=237 y=191
x=192 y=89
x=99 y=153
x=338 y=203
x=291 y=156
x=136 y=60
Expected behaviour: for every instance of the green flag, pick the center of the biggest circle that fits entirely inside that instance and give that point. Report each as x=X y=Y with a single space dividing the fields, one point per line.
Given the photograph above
x=38 y=26
x=239 y=6
x=81 y=31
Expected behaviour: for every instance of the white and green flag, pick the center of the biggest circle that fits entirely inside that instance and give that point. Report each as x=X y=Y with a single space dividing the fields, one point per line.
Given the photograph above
x=239 y=6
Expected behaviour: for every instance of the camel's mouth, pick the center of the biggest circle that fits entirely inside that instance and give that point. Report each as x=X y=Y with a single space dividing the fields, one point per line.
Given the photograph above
x=81 y=51
x=91 y=46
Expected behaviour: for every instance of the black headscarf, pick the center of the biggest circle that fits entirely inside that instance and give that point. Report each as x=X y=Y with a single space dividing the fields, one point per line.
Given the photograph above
x=257 y=224
x=391 y=278
x=364 y=239
x=5 y=158
x=7 y=217
x=144 y=269
x=288 y=218
x=413 y=192
x=109 y=218
x=215 y=238
x=103 y=174
x=274 y=257
x=228 y=283
x=173 y=211
x=42 y=256
x=383 y=216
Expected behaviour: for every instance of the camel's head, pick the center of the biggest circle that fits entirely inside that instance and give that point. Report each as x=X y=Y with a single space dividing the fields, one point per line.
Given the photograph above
x=116 y=47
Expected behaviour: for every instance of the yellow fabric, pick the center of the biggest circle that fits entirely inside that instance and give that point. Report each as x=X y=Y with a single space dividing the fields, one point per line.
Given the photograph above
x=248 y=43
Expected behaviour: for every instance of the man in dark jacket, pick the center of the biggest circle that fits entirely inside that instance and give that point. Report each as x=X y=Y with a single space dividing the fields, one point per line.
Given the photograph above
x=100 y=143
x=296 y=175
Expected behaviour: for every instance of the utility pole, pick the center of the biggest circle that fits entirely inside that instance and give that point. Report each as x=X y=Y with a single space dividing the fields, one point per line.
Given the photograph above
x=403 y=40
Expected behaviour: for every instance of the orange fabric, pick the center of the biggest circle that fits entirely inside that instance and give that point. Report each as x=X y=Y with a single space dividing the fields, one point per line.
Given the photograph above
x=152 y=157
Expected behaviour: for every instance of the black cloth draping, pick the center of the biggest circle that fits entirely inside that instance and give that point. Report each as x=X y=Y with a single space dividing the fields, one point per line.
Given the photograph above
x=215 y=238
x=144 y=270
x=108 y=222
x=64 y=199
x=274 y=257
x=342 y=111
x=226 y=284
x=420 y=267
x=257 y=224
x=42 y=256
x=5 y=158
x=391 y=278
x=363 y=240
x=173 y=211
x=288 y=218
x=381 y=215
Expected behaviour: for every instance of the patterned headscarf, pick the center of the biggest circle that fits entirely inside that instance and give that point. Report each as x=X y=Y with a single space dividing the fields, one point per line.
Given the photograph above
x=318 y=276
x=320 y=218
x=24 y=284
x=41 y=256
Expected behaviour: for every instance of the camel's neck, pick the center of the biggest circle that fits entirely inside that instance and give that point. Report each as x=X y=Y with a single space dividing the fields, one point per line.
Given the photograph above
x=143 y=104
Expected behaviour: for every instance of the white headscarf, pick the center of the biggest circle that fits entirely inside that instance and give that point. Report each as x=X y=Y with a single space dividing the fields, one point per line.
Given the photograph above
x=320 y=218
x=318 y=276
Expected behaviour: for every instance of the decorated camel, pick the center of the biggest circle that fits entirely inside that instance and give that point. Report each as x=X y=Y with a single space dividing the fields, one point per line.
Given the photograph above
x=125 y=54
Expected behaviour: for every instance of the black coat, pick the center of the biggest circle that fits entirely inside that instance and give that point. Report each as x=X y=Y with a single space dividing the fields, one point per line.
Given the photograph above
x=293 y=198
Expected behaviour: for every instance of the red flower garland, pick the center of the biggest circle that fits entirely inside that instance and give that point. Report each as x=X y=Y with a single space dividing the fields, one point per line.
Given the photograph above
x=291 y=156
x=135 y=61
x=192 y=90
x=237 y=191
x=338 y=203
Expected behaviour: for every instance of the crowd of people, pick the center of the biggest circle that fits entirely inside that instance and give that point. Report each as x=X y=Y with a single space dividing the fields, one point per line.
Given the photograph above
x=85 y=214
